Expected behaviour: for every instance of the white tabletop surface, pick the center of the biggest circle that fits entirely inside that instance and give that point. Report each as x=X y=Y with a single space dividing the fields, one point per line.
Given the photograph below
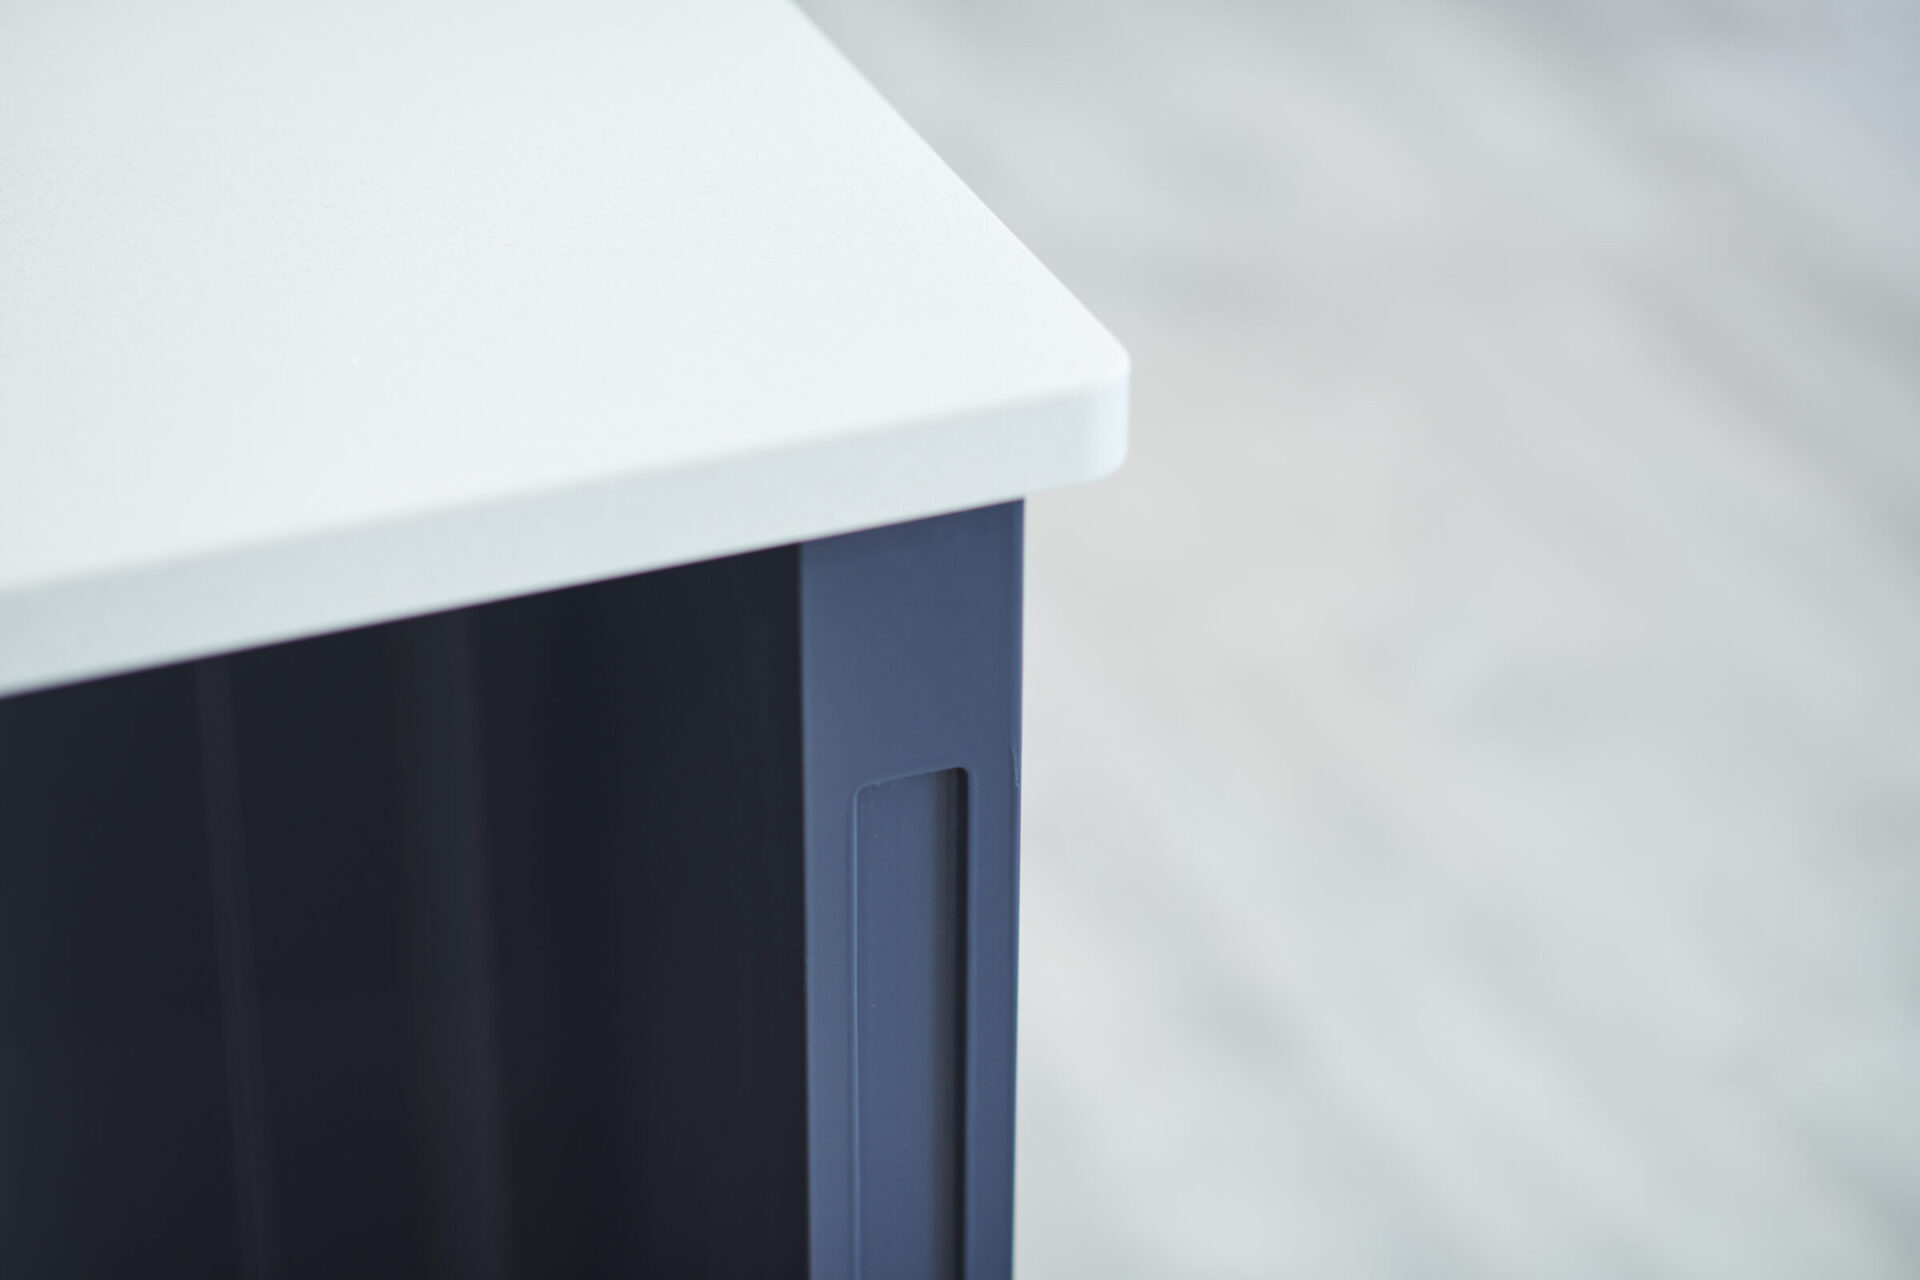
x=318 y=315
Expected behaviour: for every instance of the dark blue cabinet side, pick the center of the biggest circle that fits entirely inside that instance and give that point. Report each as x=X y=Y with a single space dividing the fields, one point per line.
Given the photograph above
x=660 y=926
x=910 y=646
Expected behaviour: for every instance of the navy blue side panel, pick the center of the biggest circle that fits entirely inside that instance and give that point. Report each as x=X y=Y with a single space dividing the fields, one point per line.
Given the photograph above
x=470 y=946
x=910 y=668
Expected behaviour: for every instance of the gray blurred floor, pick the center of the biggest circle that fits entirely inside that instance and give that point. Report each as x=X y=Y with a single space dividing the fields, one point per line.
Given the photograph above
x=1474 y=747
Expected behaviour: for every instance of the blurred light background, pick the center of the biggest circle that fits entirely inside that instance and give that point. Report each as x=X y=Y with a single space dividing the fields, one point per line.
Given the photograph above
x=1474 y=746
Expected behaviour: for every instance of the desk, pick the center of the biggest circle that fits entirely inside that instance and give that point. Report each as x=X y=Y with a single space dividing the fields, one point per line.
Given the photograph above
x=509 y=647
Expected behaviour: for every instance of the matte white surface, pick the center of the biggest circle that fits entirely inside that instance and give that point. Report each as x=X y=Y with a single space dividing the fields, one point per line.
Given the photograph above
x=312 y=316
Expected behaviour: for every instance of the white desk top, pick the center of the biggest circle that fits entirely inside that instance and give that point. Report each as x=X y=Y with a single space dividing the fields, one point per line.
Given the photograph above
x=318 y=315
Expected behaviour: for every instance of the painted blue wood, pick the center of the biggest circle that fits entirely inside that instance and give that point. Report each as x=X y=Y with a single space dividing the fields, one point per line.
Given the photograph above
x=910 y=644
x=662 y=926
